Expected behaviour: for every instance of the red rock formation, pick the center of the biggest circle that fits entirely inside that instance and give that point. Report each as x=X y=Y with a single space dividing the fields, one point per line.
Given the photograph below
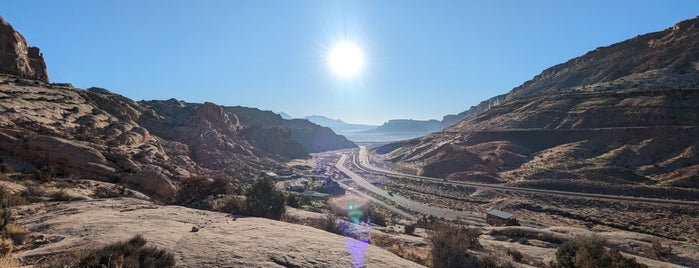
x=17 y=58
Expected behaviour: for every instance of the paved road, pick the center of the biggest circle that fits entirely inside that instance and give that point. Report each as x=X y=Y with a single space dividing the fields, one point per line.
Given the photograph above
x=364 y=164
x=402 y=201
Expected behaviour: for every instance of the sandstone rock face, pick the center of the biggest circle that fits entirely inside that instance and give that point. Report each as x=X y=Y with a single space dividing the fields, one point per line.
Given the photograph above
x=221 y=240
x=153 y=182
x=17 y=57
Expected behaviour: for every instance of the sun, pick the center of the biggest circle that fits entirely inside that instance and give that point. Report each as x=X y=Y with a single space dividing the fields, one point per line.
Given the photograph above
x=346 y=59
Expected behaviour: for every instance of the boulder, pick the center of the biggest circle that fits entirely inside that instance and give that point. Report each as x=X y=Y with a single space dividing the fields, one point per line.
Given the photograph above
x=153 y=182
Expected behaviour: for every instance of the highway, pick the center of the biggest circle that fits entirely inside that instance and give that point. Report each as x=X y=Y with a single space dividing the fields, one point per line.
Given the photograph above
x=364 y=164
x=402 y=201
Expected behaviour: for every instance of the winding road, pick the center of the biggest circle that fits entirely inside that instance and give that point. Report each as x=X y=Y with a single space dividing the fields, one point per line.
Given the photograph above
x=364 y=164
x=402 y=201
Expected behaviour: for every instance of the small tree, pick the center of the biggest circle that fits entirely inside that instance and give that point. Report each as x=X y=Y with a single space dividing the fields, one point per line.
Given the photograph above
x=264 y=200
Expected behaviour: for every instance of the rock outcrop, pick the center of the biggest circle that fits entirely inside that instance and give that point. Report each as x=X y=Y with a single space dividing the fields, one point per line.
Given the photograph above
x=18 y=58
x=221 y=239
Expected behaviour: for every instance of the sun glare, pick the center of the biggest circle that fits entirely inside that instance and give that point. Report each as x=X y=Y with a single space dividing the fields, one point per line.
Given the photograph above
x=346 y=59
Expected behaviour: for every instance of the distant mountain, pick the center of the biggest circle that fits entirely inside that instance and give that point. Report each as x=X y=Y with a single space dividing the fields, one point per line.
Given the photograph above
x=338 y=125
x=393 y=130
x=285 y=115
x=620 y=119
x=264 y=126
x=418 y=127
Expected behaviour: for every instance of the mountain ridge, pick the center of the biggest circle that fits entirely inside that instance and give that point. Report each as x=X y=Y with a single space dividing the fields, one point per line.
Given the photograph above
x=624 y=114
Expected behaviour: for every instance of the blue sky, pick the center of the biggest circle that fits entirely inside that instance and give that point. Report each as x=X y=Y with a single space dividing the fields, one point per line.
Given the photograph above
x=424 y=59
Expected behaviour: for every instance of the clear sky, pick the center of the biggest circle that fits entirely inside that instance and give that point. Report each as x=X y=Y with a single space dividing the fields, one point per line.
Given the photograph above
x=423 y=59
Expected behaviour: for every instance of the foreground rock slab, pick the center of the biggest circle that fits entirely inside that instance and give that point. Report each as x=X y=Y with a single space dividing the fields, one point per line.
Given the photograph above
x=221 y=241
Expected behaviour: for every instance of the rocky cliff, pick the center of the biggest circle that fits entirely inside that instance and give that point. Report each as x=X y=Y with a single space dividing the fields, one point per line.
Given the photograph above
x=625 y=114
x=17 y=57
x=449 y=120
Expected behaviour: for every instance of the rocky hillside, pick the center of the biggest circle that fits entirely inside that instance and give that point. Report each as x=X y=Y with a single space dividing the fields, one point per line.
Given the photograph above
x=310 y=137
x=626 y=114
x=100 y=135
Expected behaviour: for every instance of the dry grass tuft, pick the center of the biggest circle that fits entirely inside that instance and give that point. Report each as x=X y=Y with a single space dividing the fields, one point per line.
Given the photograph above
x=8 y=262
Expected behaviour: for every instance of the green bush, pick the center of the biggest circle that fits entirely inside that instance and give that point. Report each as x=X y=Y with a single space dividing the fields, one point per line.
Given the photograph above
x=450 y=245
x=264 y=200
x=132 y=253
x=590 y=252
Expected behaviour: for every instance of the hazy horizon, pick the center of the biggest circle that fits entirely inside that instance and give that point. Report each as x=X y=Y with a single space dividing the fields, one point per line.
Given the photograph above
x=420 y=60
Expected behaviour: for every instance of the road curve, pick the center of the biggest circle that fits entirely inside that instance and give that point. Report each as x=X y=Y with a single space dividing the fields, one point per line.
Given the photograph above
x=365 y=165
x=402 y=201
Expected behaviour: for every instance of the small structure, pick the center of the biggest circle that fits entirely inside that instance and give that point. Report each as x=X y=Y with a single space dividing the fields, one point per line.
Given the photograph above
x=315 y=195
x=497 y=217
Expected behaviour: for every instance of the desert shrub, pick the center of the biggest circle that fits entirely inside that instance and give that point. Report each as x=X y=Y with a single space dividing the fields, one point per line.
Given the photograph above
x=264 y=200
x=130 y=253
x=512 y=222
x=515 y=254
x=409 y=229
x=590 y=252
x=425 y=221
x=5 y=210
x=231 y=204
x=296 y=201
x=34 y=193
x=330 y=224
x=18 y=234
x=657 y=251
x=196 y=190
x=113 y=191
x=5 y=168
x=450 y=245
x=6 y=246
x=45 y=173
x=9 y=262
x=374 y=216
x=489 y=261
